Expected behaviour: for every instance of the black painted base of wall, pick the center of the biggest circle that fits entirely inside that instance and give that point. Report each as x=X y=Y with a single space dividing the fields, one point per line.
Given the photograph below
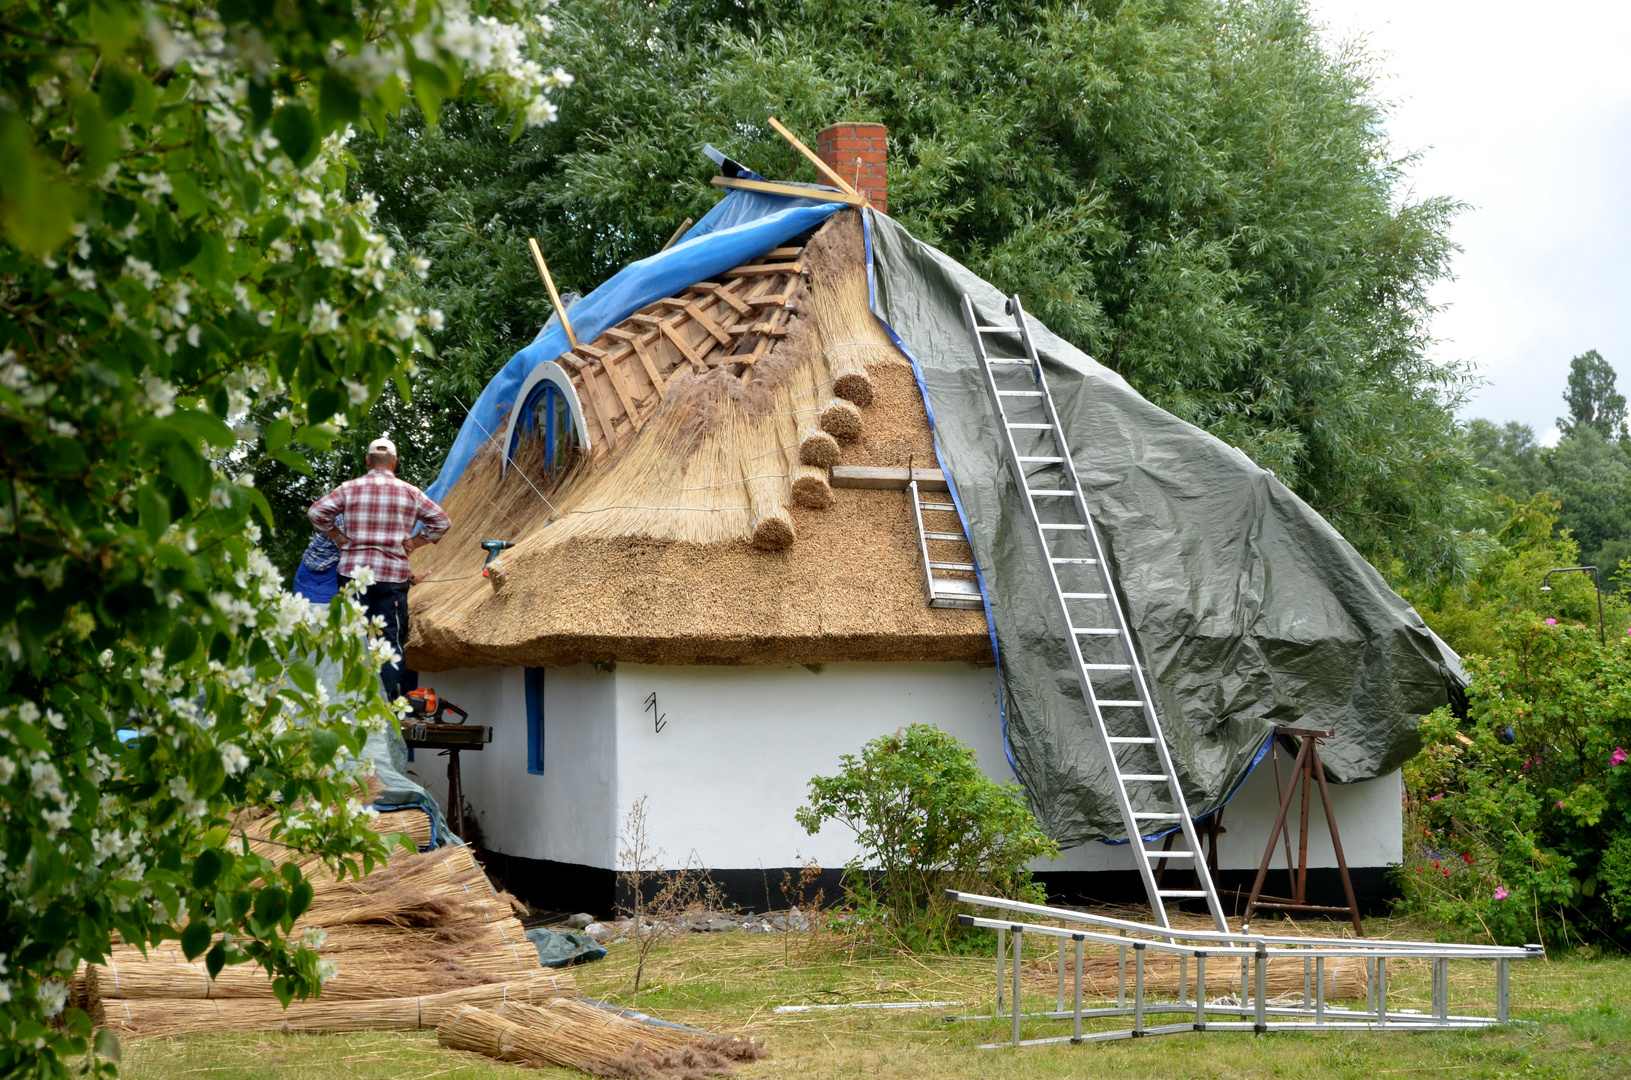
x=553 y=887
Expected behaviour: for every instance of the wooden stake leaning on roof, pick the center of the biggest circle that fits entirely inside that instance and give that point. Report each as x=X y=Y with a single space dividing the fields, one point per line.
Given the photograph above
x=679 y=232
x=821 y=166
x=554 y=297
x=791 y=190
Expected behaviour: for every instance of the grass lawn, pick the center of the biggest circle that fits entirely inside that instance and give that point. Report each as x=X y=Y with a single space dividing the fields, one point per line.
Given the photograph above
x=730 y=983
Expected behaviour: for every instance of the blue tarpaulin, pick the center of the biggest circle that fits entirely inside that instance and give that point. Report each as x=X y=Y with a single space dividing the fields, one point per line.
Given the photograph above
x=743 y=225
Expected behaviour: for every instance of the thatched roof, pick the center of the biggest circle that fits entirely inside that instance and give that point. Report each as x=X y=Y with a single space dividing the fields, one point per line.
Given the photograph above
x=702 y=528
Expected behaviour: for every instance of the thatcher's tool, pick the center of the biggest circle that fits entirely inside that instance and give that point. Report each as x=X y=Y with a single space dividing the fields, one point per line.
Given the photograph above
x=493 y=547
x=425 y=728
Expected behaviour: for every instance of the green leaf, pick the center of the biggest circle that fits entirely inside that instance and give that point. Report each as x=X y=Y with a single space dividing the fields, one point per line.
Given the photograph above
x=182 y=644
x=303 y=675
x=37 y=207
x=207 y=867
x=324 y=744
x=117 y=92
x=114 y=25
x=294 y=461
x=270 y=904
x=63 y=456
x=153 y=511
x=296 y=132
x=338 y=103
x=190 y=198
x=277 y=434
x=201 y=426
x=319 y=437
x=216 y=959
x=195 y=938
x=300 y=898
x=107 y=1046
x=323 y=403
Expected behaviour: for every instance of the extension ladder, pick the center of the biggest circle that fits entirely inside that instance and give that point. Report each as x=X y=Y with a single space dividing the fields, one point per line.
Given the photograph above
x=1118 y=699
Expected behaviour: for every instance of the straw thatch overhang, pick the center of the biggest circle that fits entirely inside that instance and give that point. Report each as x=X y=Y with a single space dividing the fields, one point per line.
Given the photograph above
x=703 y=529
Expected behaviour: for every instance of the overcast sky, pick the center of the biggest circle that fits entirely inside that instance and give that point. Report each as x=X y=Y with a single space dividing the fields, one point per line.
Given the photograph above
x=1523 y=111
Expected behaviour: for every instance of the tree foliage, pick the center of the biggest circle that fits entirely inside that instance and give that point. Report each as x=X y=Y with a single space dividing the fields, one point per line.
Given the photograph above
x=926 y=819
x=1197 y=192
x=190 y=295
x=1592 y=398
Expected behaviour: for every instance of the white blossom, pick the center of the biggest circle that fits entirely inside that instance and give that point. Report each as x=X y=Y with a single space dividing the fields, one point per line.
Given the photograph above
x=233 y=759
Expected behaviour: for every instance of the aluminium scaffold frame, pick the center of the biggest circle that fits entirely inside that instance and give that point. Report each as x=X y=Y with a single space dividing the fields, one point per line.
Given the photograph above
x=1252 y=1009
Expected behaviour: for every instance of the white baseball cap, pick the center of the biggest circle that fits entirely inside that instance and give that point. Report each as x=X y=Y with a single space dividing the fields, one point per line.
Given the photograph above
x=382 y=446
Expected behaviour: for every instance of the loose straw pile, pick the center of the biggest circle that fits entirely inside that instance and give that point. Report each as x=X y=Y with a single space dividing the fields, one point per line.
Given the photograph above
x=593 y=1039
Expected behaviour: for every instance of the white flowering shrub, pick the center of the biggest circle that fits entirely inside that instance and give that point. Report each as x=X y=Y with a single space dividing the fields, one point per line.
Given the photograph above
x=180 y=254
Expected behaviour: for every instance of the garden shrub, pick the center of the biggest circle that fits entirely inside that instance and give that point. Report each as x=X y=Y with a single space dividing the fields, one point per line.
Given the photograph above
x=927 y=819
x=1520 y=816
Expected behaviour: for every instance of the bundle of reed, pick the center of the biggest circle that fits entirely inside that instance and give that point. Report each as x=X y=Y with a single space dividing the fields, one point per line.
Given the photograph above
x=580 y=1038
x=1345 y=976
x=851 y=337
x=147 y=1017
x=382 y=973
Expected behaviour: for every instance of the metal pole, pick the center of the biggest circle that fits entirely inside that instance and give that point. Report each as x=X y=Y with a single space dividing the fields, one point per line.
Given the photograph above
x=1308 y=979
x=1121 y=980
x=1381 y=990
x=1319 y=991
x=1503 y=995
x=1183 y=978
x=1138 y=990
x=1200 y=991
x=1019 y=936
x=1059 y=1005
x=1002 y=964
x=1262 y=988
x=1076 y=1030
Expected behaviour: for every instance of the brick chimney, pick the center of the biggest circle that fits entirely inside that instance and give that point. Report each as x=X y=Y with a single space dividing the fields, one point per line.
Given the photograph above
x=860 y=154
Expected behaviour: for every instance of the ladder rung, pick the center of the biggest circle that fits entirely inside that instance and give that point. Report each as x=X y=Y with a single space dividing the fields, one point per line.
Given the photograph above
x=998 y=329
x=1108 y=667
x=1006 y=363
x=1075 y=562
x=1129 y=740
x=1096 y=632
x=1169 y=854
x=1133 y=704
x=964 y=566
x=1060 y=526
x=1041 y=460
x=1033 y=427
x=1154 y=815
x=948 y=507
x=942 y=536
x=1184 y=894
x=1085 y=595
x=1019 y=393
x=1154 y=777
x=1050 y=492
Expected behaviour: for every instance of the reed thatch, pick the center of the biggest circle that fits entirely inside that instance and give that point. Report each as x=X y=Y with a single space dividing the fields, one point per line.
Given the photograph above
x=711 y=535
x=593 y=1039
x=148 y=1017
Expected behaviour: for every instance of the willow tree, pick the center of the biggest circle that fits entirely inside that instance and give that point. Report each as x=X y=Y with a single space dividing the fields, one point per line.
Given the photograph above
x=1198 y=193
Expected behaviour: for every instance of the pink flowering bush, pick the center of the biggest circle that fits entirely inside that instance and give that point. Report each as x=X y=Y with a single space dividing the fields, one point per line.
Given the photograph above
x=1521 y=813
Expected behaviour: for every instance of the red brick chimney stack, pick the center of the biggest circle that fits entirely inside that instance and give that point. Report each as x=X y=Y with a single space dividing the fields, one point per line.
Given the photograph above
x=860 y=154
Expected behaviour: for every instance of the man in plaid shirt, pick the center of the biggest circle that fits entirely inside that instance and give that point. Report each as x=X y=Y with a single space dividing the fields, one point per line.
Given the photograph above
x=381 y=513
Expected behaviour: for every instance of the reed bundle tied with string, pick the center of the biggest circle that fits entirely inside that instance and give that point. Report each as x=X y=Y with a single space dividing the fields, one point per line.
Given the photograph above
x=594 y=1040
x=150 y=1017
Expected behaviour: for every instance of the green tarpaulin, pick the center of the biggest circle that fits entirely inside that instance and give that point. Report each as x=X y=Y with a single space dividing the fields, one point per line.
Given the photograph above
x=1249 y=610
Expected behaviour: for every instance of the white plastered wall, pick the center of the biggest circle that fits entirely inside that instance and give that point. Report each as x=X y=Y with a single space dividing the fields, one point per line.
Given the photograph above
x=739 y=746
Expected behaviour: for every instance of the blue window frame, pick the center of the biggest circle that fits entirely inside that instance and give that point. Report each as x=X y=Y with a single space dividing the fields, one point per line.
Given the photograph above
x=548 y=413
x=535 y=720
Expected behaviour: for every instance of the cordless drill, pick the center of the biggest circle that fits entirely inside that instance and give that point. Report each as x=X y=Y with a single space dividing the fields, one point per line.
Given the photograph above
x=493 y=547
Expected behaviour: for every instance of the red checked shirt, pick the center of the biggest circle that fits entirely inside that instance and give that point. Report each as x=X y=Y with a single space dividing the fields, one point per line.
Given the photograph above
x=380 y=511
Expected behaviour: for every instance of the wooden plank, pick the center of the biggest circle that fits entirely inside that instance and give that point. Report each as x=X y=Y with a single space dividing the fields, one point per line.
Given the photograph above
x=679 y=343
x=764 y=342
x=781 y=253
x=821 y=166
x=779 y=300
x=621 y=388
x=588 y=393
x=590 y=351
x=726 y=295
x=887 y=479
x=766 y=268
x=679 y=232
x=650 y=366
x=621 y=334
x=768 y=188
x=707 y=324
x=646 y=320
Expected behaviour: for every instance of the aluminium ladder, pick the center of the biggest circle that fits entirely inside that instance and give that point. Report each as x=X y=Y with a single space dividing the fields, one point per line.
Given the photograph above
x=1118 y=700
